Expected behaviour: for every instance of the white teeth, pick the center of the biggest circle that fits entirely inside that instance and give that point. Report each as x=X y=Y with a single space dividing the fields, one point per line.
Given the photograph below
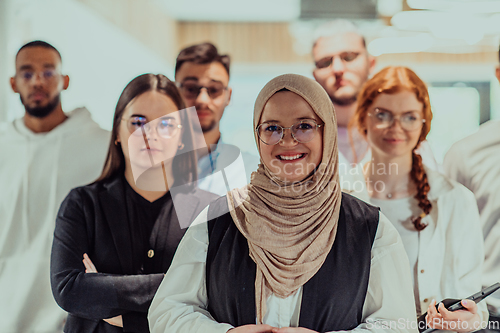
x=290 y=158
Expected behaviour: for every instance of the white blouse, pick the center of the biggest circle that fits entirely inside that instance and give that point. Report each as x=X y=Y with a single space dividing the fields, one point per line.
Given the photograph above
x=400 y=212
x=180 y=304
x=451 y=247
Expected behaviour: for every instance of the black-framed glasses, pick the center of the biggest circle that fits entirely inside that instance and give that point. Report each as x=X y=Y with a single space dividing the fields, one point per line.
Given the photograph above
x=344 y=56
x=409 y=121
x=302 y=131
x=165 y=127
x=45 y=75
x=191 y=90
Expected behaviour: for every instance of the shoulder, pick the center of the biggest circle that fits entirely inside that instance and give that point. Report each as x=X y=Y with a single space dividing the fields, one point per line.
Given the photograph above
x=357 y=206
x=8 y=129
x=488 y=133
x=441 y=186
x=217 y=208
x=81 y=119
x=359 y=216
x=82 y=193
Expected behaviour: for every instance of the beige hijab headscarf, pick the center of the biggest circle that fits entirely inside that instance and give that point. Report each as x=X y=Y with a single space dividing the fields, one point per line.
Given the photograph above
x=290 y=227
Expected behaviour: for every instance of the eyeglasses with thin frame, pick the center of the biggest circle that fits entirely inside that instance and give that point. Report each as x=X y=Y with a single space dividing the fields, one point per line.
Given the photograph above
x=191 y=90
x=165 y=127
x=345 y=57
x=302 y=131
x=409 y=121
x=45 y=75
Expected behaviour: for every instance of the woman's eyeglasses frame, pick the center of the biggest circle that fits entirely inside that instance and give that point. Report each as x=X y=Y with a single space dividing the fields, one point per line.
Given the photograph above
x=314 y=129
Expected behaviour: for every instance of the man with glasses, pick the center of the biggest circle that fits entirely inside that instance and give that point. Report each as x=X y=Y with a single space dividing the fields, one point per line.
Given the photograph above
x=475 y=162
x=44 y=155
x=202 y=75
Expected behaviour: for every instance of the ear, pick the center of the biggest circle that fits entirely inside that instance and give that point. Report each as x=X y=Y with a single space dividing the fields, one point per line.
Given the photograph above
x=65 y=82
x=372 y=62
x=497 y=73
x=230 y=92
x=13 y=85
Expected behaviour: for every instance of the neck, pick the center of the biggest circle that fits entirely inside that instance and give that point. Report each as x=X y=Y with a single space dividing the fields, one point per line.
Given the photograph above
x=211 y=138
x=344 y=113
x=153 y=178
x=46 y=124
x=389 y=177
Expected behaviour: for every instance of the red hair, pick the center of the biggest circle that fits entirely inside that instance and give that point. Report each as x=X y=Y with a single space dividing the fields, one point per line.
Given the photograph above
x=392 y=80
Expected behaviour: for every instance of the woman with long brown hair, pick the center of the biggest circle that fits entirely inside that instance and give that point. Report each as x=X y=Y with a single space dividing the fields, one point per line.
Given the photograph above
x=436 y=217
x=114 y=239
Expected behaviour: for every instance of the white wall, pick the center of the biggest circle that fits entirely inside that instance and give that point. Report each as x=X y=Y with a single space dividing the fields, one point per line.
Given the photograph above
x=4 y=87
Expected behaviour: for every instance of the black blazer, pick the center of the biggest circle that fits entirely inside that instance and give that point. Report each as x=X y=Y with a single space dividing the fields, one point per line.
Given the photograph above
x=93 y=220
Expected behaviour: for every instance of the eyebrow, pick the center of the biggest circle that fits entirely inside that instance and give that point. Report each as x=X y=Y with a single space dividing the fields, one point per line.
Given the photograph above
x=384 y=109
x=194 y=78
x=30 y=67
x=300 y=118
x=143 y=116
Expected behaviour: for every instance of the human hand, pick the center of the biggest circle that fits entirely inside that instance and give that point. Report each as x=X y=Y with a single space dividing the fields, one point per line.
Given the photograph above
x=115 y=321
x=466 y=320
x=89 y=266
x=292 y=330
x=252 y=329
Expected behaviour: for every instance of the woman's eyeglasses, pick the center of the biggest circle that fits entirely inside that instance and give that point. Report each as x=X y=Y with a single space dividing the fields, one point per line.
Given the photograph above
x=165 y=127
x=409 y=121
x=302 y=131
x=191 y=90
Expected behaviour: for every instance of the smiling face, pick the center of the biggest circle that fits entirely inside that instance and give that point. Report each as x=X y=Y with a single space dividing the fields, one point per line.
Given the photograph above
x=144 y=152
x=393 y=141
x=289 y=159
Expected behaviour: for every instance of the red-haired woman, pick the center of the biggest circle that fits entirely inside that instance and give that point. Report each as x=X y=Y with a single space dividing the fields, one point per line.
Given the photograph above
x=436 y=217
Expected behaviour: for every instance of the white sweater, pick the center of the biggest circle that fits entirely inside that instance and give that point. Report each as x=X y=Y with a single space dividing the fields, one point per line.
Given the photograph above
x=37 y=170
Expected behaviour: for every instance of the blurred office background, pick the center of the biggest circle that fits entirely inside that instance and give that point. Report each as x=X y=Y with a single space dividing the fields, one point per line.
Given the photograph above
x=451 y=44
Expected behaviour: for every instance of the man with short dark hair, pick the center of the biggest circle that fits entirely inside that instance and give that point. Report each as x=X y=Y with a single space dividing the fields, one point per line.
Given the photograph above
x=44 y=155
x=475 y=162
x=202 y=75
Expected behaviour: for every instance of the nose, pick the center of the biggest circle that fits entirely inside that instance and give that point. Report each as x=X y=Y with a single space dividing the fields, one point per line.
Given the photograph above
x=37 y=80
x=338 y=66
x=150 y=133
x=203 y=97
x=396 y=124
x=288 y=139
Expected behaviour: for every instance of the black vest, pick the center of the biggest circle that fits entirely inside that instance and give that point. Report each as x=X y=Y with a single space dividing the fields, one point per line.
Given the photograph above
x=332 y=299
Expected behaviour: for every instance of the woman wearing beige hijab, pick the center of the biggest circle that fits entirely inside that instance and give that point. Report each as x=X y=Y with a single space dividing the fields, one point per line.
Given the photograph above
x=289 y=252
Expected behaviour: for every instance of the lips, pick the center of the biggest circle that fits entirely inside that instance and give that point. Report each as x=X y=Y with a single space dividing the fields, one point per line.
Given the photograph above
x=38 y=96
x=204 y=113
x=151 y=150
x=290 y=157
x=392 y=140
